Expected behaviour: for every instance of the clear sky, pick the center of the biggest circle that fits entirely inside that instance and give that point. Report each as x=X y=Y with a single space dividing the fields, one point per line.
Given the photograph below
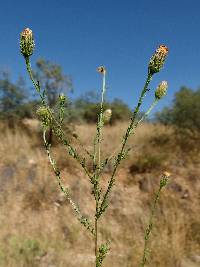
x=122 y=35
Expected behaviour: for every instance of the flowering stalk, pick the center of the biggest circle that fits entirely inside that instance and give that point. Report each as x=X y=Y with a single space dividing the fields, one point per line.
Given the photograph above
x=159 y=93
x=56 y=126
x=49 y=121
x=155 y=65
x=83 y=220
x=163 y=182
x=121 y=155
x=97 y=143
x=26 y=47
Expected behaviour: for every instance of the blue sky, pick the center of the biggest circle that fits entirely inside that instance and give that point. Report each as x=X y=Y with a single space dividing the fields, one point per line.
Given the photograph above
x=122 y=35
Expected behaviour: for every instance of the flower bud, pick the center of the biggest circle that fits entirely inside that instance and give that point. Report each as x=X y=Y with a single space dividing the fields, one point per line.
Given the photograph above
x=107 y=115
x=101 y=70
x=165 y=178
x=45 y=116
x=161 y=90
x=26 y=42
x=62 y=99
x=158 y=59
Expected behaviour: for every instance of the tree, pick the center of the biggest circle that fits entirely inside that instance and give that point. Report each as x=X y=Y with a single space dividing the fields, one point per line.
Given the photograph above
x=184 y=116
x=12 y=96
x=52 y=79
x=87 y=108
x=184 y=112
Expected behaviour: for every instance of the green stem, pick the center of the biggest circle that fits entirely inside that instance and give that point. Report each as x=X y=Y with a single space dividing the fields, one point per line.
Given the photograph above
x=150 y=224
x=36 y=85
x=58 y=129
x=120 y=155
x=80 y=217
x=96 y=237
x=72 y=151
x=97 y=142
x=132 y=132
x=101 y=117
x=148 y=111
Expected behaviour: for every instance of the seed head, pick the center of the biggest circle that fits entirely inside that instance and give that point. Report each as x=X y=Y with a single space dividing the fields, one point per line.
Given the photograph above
x=158 y=59
x=107 y=115
x=161 y=90
x=101 y=70
x=26 y=42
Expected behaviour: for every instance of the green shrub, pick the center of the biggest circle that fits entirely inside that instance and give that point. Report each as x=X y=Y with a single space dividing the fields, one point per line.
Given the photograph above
x=184 y=116
x=148 y=162
x=86 y=108
x=184 y=112
x=25 y=251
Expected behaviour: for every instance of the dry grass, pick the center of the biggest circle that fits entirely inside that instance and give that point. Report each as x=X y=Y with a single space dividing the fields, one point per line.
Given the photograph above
x=39 y=229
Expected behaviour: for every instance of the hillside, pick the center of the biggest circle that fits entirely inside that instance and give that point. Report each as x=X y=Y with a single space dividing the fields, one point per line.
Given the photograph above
x=38 y=227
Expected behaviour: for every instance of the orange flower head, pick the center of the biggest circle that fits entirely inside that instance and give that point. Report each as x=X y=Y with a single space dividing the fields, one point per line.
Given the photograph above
x=158 y=59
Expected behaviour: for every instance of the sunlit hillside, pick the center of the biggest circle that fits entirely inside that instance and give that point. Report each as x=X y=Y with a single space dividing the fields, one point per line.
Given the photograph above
x=38 y=227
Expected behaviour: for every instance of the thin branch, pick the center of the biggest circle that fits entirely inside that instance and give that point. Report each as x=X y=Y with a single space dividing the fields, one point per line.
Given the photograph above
x=57 y=130
x=97 y=142
x=122 y=152
x=148 y=230
x=79 y=215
